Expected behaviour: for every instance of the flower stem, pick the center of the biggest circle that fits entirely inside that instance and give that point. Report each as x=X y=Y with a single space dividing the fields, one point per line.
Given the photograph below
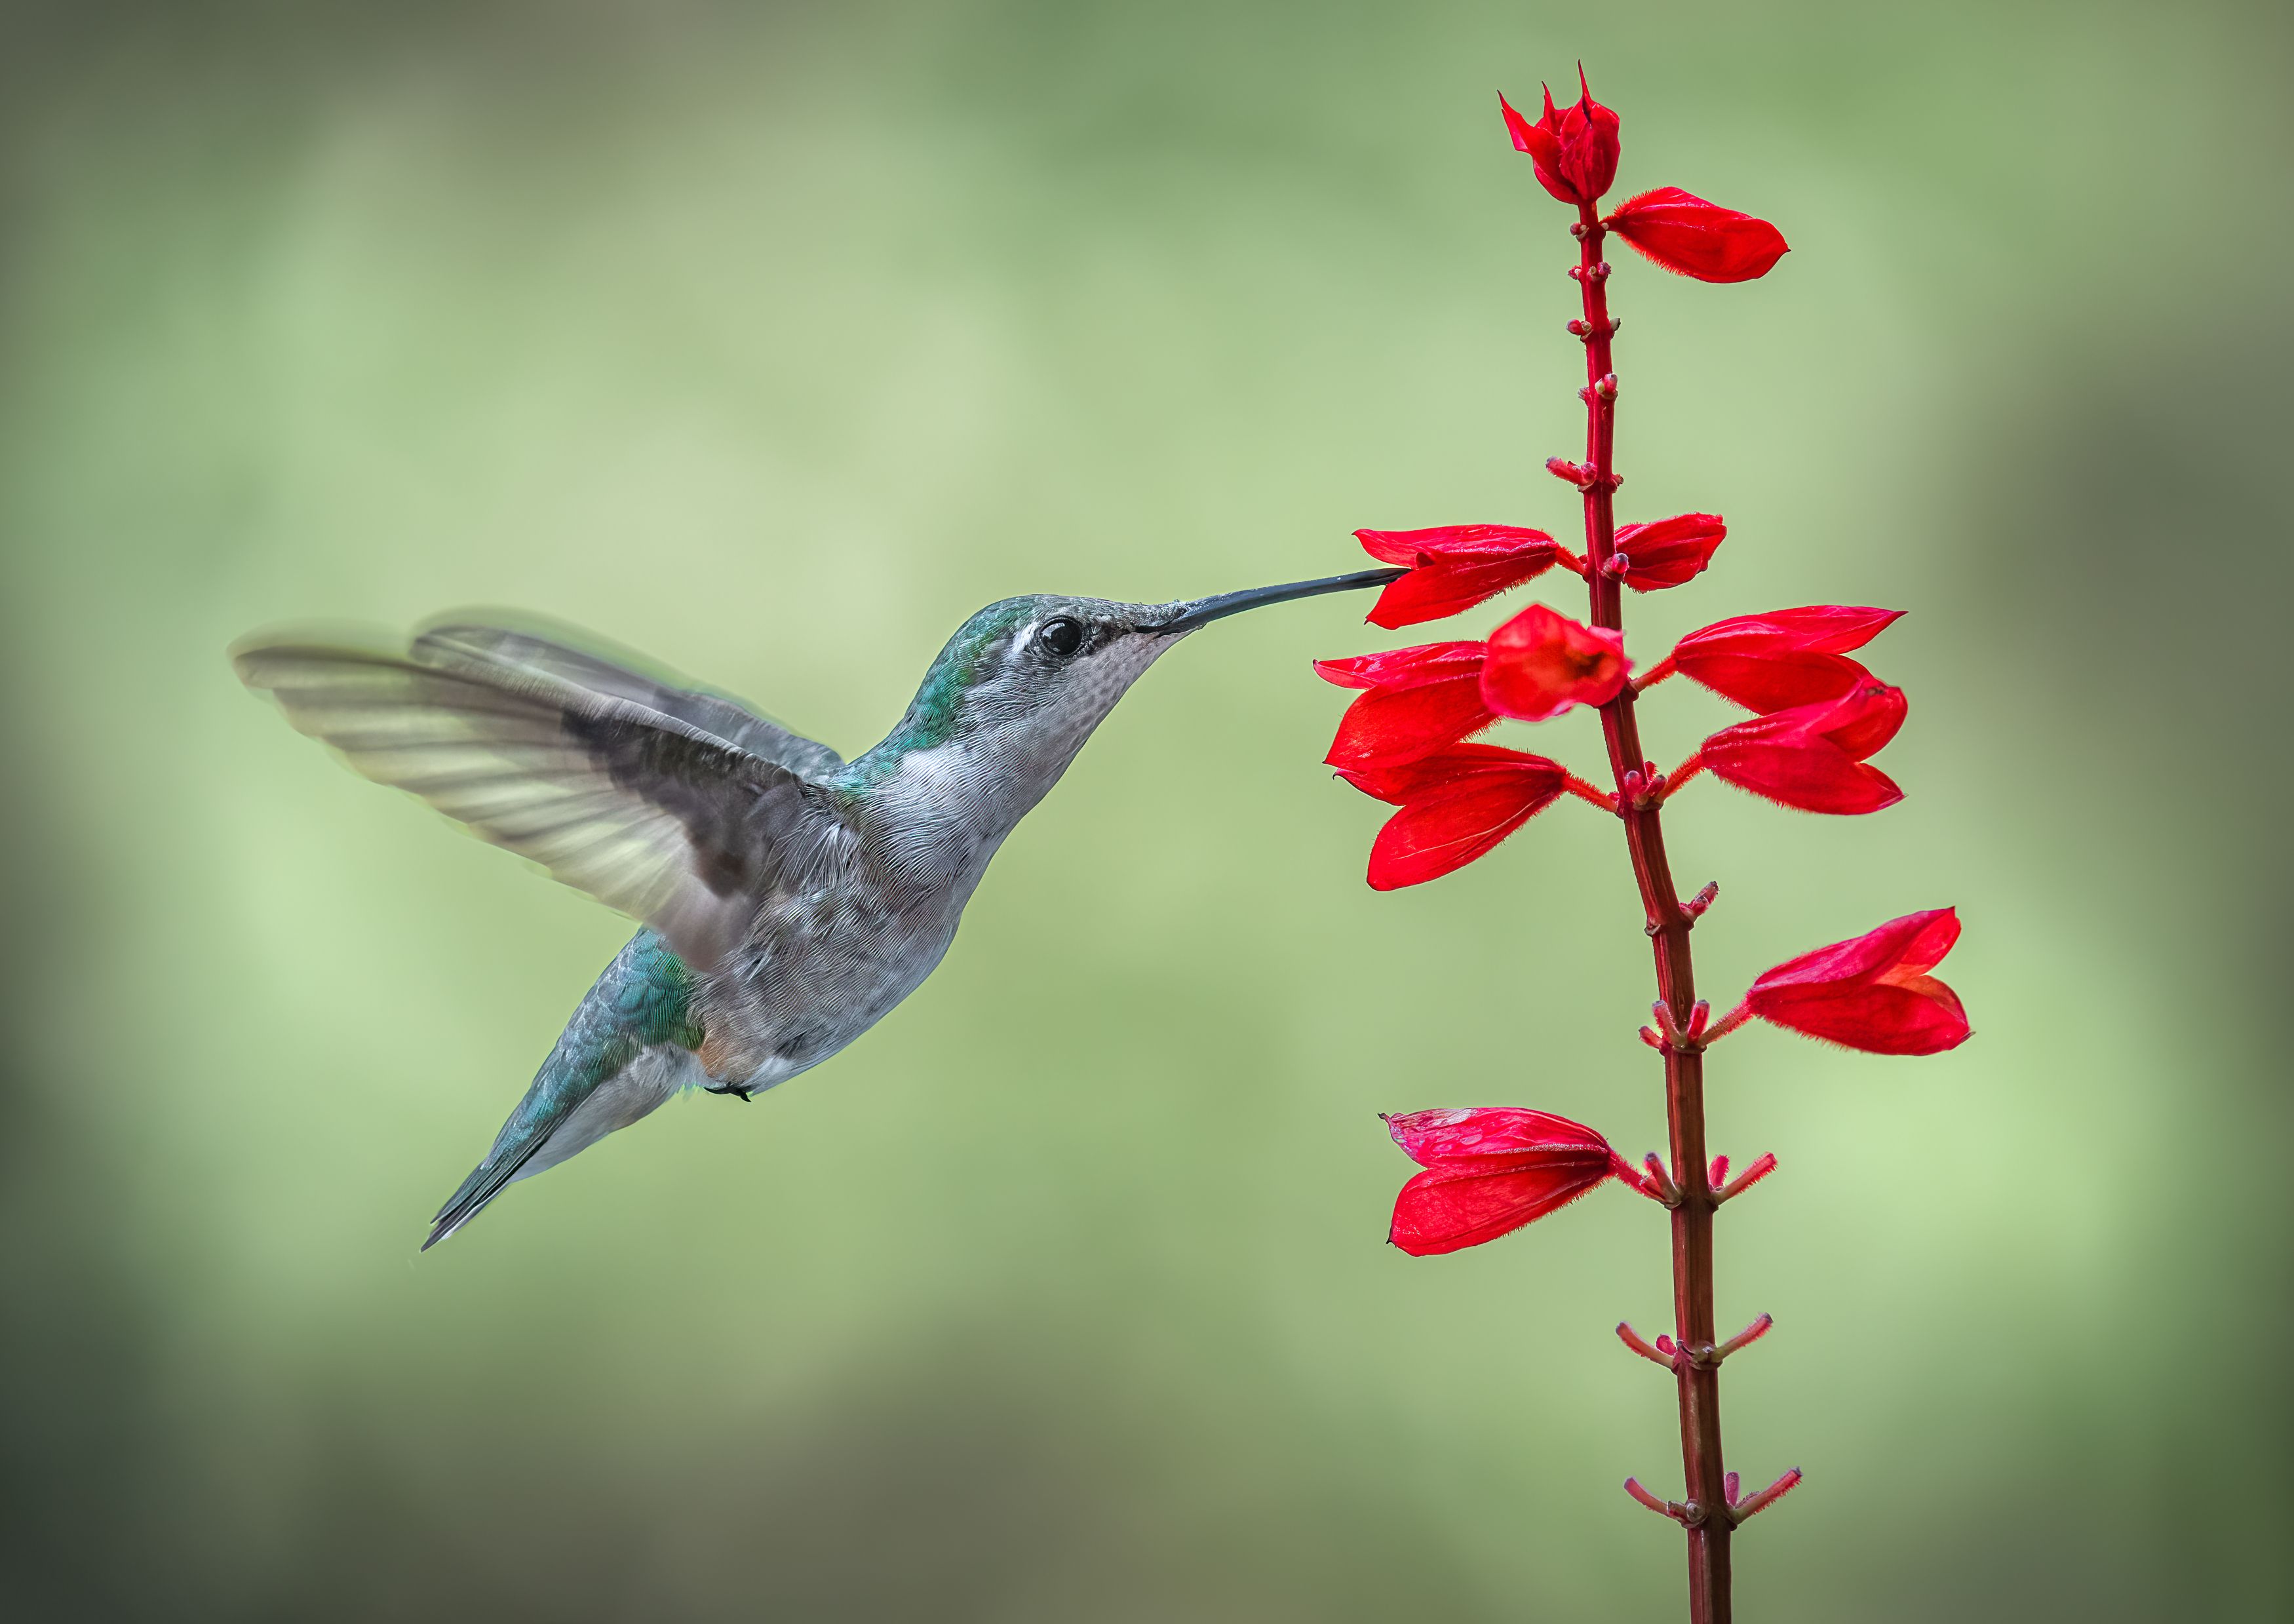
x=1711 y=1517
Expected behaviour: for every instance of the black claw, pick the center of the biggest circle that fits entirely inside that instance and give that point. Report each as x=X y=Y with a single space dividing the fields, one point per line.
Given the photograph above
x=743 y=1094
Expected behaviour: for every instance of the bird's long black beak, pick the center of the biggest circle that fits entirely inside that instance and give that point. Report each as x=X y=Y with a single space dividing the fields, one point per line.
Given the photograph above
x=1202 y=611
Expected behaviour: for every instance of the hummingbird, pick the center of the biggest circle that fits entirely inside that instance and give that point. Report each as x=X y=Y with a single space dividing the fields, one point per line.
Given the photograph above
x=787 y=899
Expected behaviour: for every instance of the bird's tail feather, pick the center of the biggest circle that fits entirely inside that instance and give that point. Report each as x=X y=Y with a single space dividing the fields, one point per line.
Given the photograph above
x=487 y=1180
x=644 y=1000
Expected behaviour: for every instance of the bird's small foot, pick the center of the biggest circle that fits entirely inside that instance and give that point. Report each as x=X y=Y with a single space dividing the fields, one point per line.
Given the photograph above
x=739 y=1093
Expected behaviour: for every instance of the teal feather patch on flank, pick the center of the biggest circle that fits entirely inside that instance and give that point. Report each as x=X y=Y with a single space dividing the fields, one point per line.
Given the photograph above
x=657 y=1003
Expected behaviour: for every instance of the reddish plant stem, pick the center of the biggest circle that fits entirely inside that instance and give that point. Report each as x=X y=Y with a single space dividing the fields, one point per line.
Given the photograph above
x=1706 y=1501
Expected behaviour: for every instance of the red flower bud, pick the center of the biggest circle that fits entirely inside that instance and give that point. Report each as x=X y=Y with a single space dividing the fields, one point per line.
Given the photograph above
x=1686 y=234
x=1490 y=1171
x=1456 y=804
x=1576 y=152
x=1541 y=663
x=1452 y=567
x=1669 y=551
x=1872 y=994
x=1419 y=699
x=1784 y=658
x=1813 y=756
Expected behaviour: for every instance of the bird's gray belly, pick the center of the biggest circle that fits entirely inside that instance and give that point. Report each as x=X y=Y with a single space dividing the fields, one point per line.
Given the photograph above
x=801 y=994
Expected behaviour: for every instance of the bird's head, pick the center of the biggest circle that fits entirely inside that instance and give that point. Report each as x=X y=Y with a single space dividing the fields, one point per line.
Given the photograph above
x=1028 y=678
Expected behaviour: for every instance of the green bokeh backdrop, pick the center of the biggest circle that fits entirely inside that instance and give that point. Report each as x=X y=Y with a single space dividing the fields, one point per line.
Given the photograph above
x=773 y=340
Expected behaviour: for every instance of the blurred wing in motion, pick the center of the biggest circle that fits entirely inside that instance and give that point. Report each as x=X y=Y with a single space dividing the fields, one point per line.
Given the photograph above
x=498 y=638
x=622 y=789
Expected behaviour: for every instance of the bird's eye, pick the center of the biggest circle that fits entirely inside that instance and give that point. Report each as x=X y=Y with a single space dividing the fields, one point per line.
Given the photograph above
x=1059 y=637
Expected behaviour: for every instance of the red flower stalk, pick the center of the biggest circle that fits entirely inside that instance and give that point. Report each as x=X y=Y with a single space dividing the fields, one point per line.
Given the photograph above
x=1488 y=1172
x=1822 y=716
x=1669 y=553
x=1418 y=700
x=1873 y=993
x=1813 y=756
x=1575 y=153
x=1542 y=663
x=1786 y=657
x=1452 y=567
x=1685 y=234
x=1456 y=804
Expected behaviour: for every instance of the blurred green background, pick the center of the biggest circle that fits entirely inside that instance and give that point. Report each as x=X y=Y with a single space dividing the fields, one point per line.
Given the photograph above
x=773 y=340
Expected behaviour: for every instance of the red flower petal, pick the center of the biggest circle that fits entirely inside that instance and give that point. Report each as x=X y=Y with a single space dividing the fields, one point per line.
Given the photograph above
x=1452 y=567
x=1686 y=234
x=1813 y=756
x=1419 y=699
x=1873 y=992
x=1403 y=668
x=1575 y=152
x=1784 y=658
x=1457 y=805
x=1432 y=1136
x=1669 y=551
x=1488 y=1173
x=1541 y=663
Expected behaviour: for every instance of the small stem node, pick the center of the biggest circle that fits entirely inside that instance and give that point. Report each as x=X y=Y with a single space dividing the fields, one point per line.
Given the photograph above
x=1664 y=1508
x=1680 y=1039
x=1694 y=908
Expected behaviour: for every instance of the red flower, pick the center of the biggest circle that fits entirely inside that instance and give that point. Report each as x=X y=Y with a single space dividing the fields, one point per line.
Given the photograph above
x=1490 y=1171
x=1668 y=552
x=1872 y=994
x=1686 y=234
x=1576 y=152
x=1452 y=567
x=1813 y=756
x=1419 y=699
x=1784 y=658
x=1456 y=804
x=1541 y=663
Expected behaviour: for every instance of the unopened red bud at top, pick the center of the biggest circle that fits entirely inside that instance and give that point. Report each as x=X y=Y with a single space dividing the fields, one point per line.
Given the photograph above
x=1813 y=757
x=1489 y=1170
x=1541 y=663
x=1786 y=657
x=1873 y=993
x=1669 y=552
x=1456 y=805
x=1685 y=234
x=1452 y=567
x=1574 y=152
x=1417 y=700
